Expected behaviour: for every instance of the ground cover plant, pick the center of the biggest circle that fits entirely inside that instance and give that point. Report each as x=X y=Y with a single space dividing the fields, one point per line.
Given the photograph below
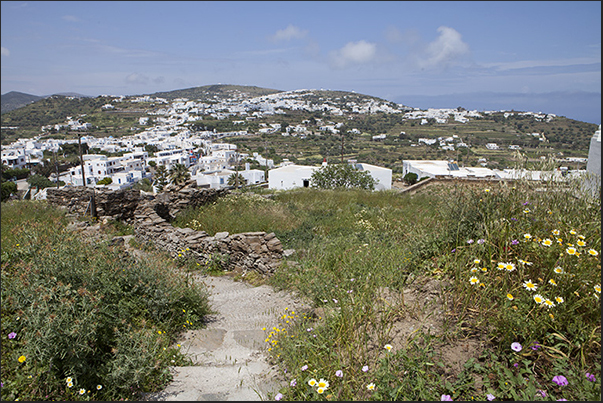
x=84 y=321
x=517 y=266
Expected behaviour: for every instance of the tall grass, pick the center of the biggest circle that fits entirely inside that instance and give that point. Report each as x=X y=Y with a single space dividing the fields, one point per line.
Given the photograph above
x=486 y=241
x=82 y=321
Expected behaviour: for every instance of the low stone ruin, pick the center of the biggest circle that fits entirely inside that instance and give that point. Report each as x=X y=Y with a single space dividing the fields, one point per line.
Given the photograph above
x=151 y=217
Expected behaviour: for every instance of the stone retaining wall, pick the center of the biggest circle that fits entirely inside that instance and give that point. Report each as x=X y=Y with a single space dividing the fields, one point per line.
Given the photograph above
x=151 y=217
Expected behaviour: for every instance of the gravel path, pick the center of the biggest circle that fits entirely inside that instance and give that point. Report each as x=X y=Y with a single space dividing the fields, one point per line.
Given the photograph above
x=230 y=354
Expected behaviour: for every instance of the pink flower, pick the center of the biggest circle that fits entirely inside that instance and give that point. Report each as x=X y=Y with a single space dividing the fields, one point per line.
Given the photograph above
x=279 y=396
x=305 y=367
x=560 y=380
x=446 y=398
x=339 y=373
x=516 y=347
x=490 y=397
x=12 y=335
x=591 y=377
x=365 y=368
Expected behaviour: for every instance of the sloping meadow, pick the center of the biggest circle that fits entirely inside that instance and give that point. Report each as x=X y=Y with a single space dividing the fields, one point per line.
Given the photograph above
x=83 y=321
x=507 y=274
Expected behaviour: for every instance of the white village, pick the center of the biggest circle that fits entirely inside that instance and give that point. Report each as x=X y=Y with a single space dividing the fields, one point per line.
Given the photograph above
x=211 y=160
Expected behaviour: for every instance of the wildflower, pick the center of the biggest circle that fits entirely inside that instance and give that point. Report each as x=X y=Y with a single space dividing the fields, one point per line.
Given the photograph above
x=526 y=211
x=474 y=270
x=542 y=392
x=590 y=377
x=598 y=288
x=490 y=397
x=573 y=232
x=487 y=190
x=509 y=266
x=293 y=383
x=82 y=391
x=334 y=300
x=558 y=270
x=514 y=242
x=555 y=232
x=484 y=269
x=481 y=241
x=552 y=282
x=535 y=346
x=581 y=243
x=525 y=262
x=305 y=367
x=560 y=380
x=12 y=335
x=510 y=297
x=470 y=241
x=21 y=359
x=529 y=285
x=388 y=347
x=474 y=280
x=559 y=300
x=312 y=382
x=476 y=261
x=527 y=237
x=370 y=386
x=69 y=379
x=323 y=384
x=365 y=368
x=70 y=384
x=99 y=387
x=501 y=266
x=446 y=398
x=516 y=347
x=547 y=242
x=593 y=252
x=571 y=251
x=539 y=299
x=278 y=396
x=551 y=316
x=320 y=390
x=339 y=373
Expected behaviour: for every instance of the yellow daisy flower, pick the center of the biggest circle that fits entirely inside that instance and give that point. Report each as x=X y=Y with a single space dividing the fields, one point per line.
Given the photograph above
x=547 y=242
x=559 y=300
x=539 y=299
x=571 y=251
x=474 y=280
x=593 y=252
x=529 y=285
x=510 y=297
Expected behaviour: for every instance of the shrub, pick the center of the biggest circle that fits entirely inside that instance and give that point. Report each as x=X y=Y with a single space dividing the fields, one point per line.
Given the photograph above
x=342 y=176
x=411 y=178
x=85 y=312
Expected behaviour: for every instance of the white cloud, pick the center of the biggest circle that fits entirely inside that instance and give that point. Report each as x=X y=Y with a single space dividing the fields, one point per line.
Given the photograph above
x=71 y=18
x=5 y=52
x=291 y=32
x=444 y=51
x=353 y=53
x=136 y=78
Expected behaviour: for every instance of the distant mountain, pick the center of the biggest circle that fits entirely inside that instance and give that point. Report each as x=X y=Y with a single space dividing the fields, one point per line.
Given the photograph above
x=15 y=100
x=216 y=92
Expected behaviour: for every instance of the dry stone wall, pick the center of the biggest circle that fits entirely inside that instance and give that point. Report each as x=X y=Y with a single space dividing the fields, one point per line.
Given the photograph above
x=151 y=217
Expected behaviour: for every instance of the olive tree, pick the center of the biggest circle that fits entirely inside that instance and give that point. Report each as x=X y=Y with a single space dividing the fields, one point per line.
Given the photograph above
x=342 y=176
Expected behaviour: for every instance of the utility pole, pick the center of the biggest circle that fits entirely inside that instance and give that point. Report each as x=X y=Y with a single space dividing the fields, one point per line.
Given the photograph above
x=56 y=166
x=342 y=147
x=92 y=200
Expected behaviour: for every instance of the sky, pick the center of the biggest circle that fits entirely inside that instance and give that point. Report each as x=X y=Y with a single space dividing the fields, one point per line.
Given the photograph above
x=536 y=56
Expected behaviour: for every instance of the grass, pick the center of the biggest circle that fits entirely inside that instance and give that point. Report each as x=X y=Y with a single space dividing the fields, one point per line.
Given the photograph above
x=360 y=257
x=83 y=321
x=484 y=243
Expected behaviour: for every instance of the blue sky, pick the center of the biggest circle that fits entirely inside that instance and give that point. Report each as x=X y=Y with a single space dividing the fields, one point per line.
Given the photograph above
x=486 y=55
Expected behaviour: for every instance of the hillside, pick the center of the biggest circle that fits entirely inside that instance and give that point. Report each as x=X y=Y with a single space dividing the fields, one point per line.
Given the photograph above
x=230 y=109
x=212 y=93
x=15 y=100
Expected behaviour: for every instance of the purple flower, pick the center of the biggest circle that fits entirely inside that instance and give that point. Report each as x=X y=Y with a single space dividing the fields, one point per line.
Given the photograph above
x=293 y=383
x=490 y=397
x=1 y=384
x=591 y=377
x=481 y=241
x=513 y=219
x=305 y=367
x=350 y=291
x=12 y=335
x=535 y=346
x=560 y=380
x=454 y=250
x=446 y=398
x=515 y=242
x=279 y=396
x=339 y=373
x=542 y=392
x=516 y=347
x=365 y=368
x=516 y=365
x=562 y=400
x=334 y=300
x=526 y=203
x=470 y=241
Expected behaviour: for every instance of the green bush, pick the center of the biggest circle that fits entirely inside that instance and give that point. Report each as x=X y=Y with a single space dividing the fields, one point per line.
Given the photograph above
x=85 y=312
x=8 y=188
x=411 y=178
x=105 y=181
